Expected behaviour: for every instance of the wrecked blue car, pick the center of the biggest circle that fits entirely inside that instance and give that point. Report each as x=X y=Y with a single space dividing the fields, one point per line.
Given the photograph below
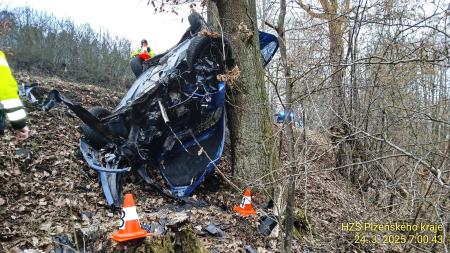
x=172 y=119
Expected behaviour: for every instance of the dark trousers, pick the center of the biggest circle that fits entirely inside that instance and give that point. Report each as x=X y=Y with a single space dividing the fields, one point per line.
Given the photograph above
x=2 y=123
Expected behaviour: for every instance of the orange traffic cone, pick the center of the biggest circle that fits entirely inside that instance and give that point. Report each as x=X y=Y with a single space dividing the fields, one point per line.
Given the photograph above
x=130 y=228
x=245 y=208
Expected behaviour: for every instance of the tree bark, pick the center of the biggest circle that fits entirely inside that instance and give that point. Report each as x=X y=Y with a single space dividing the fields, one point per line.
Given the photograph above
x=253 y=154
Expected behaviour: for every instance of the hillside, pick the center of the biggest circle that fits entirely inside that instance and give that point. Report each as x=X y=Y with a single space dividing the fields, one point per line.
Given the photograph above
x=52 y=192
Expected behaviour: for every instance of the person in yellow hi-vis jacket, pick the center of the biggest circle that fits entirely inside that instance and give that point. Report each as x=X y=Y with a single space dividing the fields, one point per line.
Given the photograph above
x=10 y=104
x=143 y=49
x=139 y=56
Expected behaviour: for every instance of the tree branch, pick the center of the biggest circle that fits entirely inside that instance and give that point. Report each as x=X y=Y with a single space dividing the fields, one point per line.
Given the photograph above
x=312 y=13
x=271 y=25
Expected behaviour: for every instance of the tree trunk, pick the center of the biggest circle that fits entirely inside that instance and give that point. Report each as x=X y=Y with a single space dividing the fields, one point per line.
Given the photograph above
x=213 y=16
x=287 y=104
x=336 y=38
x=348 y=151
x=253 y=154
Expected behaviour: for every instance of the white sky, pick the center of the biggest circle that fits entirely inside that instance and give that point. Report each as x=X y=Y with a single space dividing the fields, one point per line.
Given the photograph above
x=131 y=19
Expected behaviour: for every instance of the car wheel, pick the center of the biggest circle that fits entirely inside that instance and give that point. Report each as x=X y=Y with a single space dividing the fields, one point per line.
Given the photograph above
x=136 y=66
x=195 y=22
x=206 y=47
x=94 y=138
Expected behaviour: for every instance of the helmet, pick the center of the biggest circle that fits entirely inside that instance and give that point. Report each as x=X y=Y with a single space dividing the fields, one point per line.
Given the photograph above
x=144 y=41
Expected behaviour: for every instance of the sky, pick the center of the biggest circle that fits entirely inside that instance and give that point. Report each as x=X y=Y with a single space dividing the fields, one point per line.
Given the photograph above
x=131 y=19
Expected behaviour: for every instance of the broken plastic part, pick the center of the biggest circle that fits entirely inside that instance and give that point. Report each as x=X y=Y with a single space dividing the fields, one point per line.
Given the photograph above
x=267 y=224
x=250 y=249
x=56 y=97
x=214 y=230
x=63 y=244
x=90 y=155
x=163 y=112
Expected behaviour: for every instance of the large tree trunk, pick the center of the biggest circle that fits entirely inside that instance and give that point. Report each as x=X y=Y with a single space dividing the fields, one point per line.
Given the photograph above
x=343 y=152
x=253 y=153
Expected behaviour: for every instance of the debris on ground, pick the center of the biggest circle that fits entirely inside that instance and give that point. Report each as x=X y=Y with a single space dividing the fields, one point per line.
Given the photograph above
x=23 y=153
x=32 y=93
x=250 y=249
x=267 y=224
x=156 y=228
x=212 y=229
x=63 y=244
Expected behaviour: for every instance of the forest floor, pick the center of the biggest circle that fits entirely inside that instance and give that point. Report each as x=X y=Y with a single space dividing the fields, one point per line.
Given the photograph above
x=53 y=192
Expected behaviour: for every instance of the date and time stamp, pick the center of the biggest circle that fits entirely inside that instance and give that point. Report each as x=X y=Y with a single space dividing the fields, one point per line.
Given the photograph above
x=395 y=233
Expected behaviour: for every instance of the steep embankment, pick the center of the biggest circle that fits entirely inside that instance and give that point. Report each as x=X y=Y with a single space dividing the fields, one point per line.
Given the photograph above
x=47 y=190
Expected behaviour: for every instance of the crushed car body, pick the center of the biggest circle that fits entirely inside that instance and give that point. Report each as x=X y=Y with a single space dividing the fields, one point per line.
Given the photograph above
x=171 y=120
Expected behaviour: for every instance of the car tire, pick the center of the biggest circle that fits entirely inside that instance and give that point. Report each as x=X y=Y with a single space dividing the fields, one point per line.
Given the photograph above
x=195 y=22
x=205 y=46
x=94 y=138
x=136 y=66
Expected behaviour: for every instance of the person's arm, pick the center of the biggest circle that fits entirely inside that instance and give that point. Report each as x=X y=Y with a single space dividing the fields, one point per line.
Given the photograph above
x=151 y=53
x=10 y=102
x=134 y=53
